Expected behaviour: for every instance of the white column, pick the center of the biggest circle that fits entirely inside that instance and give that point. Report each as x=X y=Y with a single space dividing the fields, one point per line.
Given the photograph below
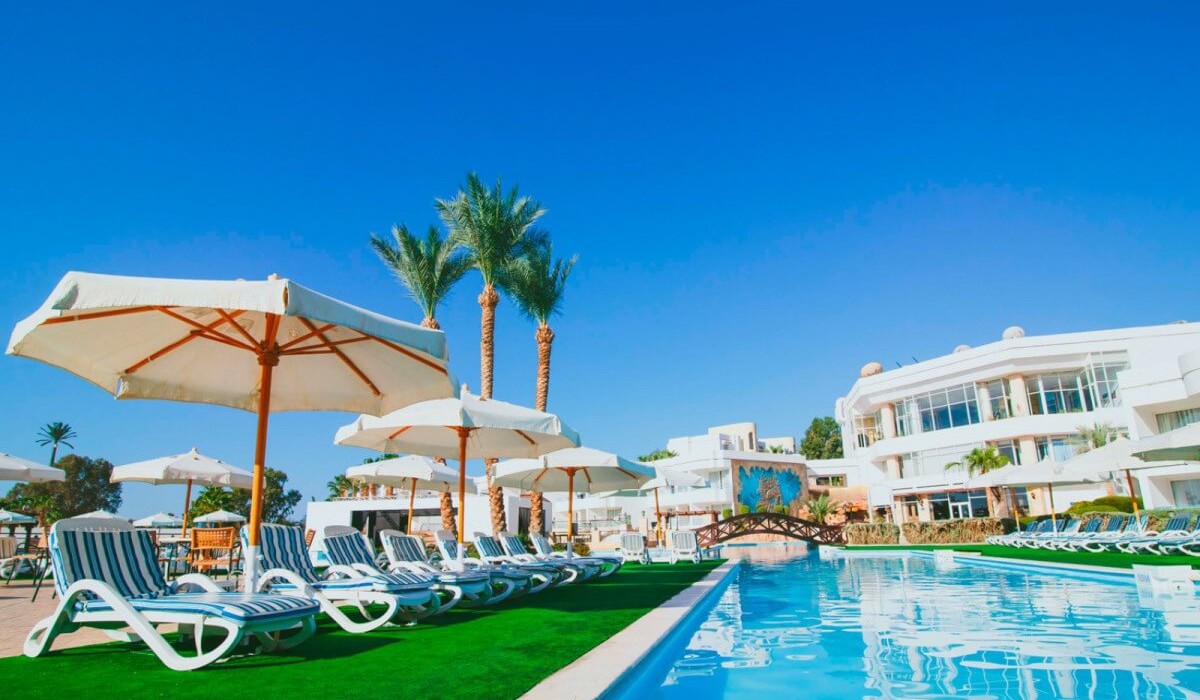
x=984 y=399
x=1019 y=395
x=887 y=416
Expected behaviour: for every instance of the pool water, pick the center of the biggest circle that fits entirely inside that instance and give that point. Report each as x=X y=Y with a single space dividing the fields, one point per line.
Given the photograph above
x=791 y=625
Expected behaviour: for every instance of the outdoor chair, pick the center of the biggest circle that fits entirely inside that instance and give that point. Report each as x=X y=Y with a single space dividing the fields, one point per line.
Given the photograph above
x=1111 y=528
x=545 y=574
x=608 y=565
x=1008 y=538
x=212 y=548
x=1065 y=529
x=1064 y=541
x=347 y=547
x=287 y=569
x=107 y=577
x=523 y=581
x=1043 y=528
x=406 y=553
x=1185 y=543
x=1148 y=541
x=574 y=570
x=684 y=547
x=1132 y=530
x=633 y=548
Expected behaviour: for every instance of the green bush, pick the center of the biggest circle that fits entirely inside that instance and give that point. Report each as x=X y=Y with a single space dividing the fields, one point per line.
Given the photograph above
x=726 y=514
x=781 y=509
x=872 y=533
x=1123 y=504
x=743 y=509
x=965 y=530
x=1087 y=507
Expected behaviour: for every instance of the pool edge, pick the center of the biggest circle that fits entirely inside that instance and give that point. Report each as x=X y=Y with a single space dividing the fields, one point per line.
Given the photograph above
x=604 y=668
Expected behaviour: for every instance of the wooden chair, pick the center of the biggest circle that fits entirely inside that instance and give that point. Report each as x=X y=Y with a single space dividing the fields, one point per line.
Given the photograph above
x=212 y=548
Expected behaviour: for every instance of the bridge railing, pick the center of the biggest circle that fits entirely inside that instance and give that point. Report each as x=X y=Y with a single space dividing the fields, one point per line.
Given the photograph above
x=769 y=524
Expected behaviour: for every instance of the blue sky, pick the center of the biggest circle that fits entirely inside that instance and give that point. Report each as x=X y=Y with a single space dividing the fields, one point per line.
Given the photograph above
x=763 y=197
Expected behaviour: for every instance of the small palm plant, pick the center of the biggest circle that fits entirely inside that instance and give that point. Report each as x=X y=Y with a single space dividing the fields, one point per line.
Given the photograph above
x=55 y=434
x=339 y=486
x=1095 y=435
x=820 y=508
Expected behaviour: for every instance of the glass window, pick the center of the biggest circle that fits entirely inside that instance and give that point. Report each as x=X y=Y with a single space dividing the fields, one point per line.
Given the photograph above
x=1010 y=449
x=1186 y=492
x=1177 y=419
x=1056 y=393
x=937 y=410
x=998 y=399
x=834 y=480
x=867 y=429
x=1058 y=448
x=939 y=505
x=1021 y=494
x=1100 y=378
x=904 y=417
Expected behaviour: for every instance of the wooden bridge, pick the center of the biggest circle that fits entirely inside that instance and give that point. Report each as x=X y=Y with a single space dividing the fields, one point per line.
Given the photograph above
x=769 y=524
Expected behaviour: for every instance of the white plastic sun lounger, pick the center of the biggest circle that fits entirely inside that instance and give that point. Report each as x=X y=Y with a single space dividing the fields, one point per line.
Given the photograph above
x=407 y=553
x=287 y=569
x=347 y=547
x=633 y=548
x=607 y=565
x=1148 y=542
x=107 y=576
x=1132 y=531
x=685 y=547
x=1110 y=529
x=548 y=574
x=523 y=582
x=569 y=571
x=1186 y=543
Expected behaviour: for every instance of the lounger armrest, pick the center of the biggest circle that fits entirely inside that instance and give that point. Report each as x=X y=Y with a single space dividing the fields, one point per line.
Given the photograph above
x=103 y=591
x=200 y=581
x=265 y=579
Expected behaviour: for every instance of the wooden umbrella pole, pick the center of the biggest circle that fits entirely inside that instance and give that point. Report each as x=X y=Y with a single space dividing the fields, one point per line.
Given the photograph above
x=187 y=505
x=570 y=513
x=1053 y=518
x=1132 y=495
x=412 y=494
x=657 y=520
x=268 y=357
x=462 y=486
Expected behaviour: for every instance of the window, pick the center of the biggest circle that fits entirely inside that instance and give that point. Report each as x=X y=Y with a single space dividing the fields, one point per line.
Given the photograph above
x=939 y=505
x=1100 y=378
x=1055 y=393
x=867 y=429
x=1059 y=448
x=999 y=402
x=1021 y=494
x=937 y=410
x=1010 y=449
x=1177 y=419
x=1186 y=492
x=933 y=462
x=834 y=480
x=904 y=418
x=959 y=504
x=911 y=507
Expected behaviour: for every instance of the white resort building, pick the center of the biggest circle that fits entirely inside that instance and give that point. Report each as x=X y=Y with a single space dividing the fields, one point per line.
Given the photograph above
x=1028 y=396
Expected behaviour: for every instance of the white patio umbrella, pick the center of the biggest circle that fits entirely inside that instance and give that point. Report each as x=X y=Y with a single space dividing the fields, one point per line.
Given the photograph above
x=261 y=346
x=188 y=468
x=1100 y=463
x=462 y=428
x=555 y=472
x=665 y=477
x=1046 y=473
x=221 y=516
x=411 y=472
x=1182 y=444
x=8 y=517
x=159 y=519
x=20 y=469
x=101 y=515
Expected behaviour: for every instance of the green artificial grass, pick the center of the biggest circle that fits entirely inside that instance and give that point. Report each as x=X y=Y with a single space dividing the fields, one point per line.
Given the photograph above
x=1116 y=560
x=496 y=652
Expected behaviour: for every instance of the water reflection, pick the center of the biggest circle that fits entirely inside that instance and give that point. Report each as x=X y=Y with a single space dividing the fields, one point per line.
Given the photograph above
x=901 y=628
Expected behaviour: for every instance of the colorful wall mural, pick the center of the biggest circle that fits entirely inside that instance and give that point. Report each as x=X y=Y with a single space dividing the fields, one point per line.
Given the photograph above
x=760 y=487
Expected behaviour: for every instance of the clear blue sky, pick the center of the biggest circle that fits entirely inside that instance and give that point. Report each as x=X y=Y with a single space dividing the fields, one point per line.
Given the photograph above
x=763 y=197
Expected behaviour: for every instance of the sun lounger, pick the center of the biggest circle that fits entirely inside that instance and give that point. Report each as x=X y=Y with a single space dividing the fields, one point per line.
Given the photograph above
x=1067 y=539
x=685 y=547
x=523 y=582
x=1007 y=538
x=572 y=570
x=287 y=569
x=1051 y=539
x=107 y=576
x=492 y=552
x=1185 y=543
x=1132 y=530
x=1043 y=528
x=1111 y=528
x=1174 y=528
x=347 y=547
x=608 y=564
x=633 y=548
x=407 y=553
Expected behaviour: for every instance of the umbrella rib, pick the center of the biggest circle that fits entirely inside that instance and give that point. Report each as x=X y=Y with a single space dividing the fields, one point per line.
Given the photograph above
x=244 y=333
x=409 y=353
x=205 y=330
x=176 y=345
x=96 y=314
x=626 y=472
x=397 y=433
x=306 y=336
x=587 y=476
x=320 y=349
x=340 y=355
x=526 y=437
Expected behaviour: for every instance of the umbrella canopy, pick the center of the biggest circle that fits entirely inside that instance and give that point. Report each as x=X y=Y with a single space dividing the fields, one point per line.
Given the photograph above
x=262 y=346
x=8 y=517
x=158 y=520
x=18 y=469
x=673 y=477
x=598 y=471
x=1181 y=444
x=101 y=515
x=466 y=427
x=1046 y=473
x=221 y=516
x=411 y=472
x=188 y=468
x=1100 y=463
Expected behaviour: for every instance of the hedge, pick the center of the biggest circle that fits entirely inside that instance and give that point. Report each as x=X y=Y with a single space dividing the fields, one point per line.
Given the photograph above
x=871 y=533
x=962 y=531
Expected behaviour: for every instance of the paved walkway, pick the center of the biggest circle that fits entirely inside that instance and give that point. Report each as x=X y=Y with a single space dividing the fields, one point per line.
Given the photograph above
x=18 y=615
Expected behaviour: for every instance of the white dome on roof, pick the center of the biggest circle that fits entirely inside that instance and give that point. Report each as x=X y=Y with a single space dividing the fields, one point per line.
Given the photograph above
x=961 y=347
x=1013 y=332
x=870 y=369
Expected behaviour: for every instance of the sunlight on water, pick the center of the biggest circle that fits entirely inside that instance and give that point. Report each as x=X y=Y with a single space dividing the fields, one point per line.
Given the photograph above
x=892 y=627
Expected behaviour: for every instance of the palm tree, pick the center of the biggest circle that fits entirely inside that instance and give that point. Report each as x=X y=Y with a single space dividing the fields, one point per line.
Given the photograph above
x=537 y=284
x=428 y=267
x=339 y=486
x=496 y=228
x=1095 y=435
x=54 y=434
x=982 y=460
x=819 y=509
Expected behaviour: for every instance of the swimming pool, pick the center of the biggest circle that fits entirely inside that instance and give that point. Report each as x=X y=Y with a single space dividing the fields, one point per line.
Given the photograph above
x=791 y=625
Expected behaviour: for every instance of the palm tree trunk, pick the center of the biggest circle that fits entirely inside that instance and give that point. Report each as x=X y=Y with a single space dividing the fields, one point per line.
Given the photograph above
x=545 y=339
x=431 y=322
x=495 y=499
x=53 y=453
x=488 y=299
x=446 y=506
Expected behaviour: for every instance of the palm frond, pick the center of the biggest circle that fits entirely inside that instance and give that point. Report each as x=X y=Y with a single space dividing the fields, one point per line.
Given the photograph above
x=428 y=267
x=537 y=282
x=496 y=227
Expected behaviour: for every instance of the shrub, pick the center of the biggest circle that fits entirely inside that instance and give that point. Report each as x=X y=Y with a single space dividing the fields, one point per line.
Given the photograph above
x=872 y=533
x=961 y=531
x=581 y=549
x=743 y=509
x=726 y=514
x=1086 y=507
x=781 y=509
x=1123 y=504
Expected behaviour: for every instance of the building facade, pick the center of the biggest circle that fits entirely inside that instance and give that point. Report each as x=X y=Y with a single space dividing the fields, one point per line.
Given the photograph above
x=1029 y=397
